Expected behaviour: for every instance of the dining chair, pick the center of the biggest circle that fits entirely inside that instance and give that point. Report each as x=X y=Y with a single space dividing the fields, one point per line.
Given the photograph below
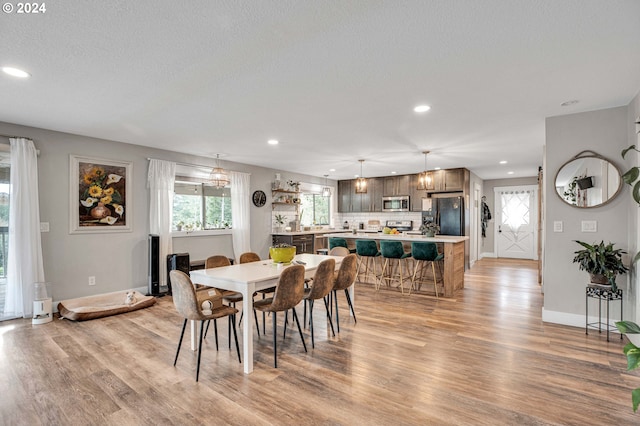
x=367 y=251
x=424 y=253
x=321 y=286
x=187 y=304
x=345 y=278
x=339 y=242
x=394 y=251
x=289 y=292
x=249 y=257
x=228 y=296
x=339 y=251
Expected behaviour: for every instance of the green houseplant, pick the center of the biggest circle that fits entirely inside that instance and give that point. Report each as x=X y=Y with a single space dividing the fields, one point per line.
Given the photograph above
x=631 y=329
x=602 y=261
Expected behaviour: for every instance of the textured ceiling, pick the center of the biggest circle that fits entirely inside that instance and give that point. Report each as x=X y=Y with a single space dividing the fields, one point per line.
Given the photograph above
x=334 y=81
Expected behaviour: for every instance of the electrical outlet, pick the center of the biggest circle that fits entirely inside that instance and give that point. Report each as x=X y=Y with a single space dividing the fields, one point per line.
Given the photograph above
x=92 y=280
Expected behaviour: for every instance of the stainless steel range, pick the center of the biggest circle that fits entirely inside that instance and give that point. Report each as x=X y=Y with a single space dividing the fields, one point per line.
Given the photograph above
x=400 y=225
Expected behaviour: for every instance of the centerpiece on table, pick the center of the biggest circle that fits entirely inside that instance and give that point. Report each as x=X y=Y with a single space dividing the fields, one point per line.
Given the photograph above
x=429 y=229
x=282 y=253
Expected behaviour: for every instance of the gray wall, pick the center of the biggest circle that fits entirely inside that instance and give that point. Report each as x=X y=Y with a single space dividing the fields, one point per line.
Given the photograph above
x=119 y=260
x=487 y=245
x=606 y=133
x=633 y=159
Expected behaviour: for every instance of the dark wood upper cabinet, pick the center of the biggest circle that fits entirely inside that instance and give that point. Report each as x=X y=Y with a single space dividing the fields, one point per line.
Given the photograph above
x=396 y=185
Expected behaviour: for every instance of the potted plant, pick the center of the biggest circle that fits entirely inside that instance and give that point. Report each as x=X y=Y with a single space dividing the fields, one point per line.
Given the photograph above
x=632 y=351
x=429 y=229
x=179 y=226
x=280 y=220
x=601 y=261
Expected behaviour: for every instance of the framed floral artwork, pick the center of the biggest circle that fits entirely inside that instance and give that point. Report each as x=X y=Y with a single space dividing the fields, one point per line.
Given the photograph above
x=100 y=195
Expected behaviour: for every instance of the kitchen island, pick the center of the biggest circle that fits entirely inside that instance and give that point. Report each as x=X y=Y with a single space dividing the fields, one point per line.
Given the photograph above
x=453 y=275
x=304 y=241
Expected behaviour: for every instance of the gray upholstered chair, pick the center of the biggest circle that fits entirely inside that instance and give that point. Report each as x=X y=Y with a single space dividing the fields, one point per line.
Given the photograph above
x=189 y=306
x=321 y=286
x=289 y=292
x=345 y=277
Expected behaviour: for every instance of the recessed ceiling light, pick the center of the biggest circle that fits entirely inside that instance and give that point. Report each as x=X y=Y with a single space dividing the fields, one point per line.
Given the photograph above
x=16 y=72
x=436 y=168
x=569 y=103
x=393 y=173
x=503 y=162
x=273 y=142
x=422 y=108
x=332 y=170
x=510 y=173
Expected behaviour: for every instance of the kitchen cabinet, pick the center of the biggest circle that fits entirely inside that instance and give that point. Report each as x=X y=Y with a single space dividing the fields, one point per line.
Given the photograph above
x=349 y=201
x=416 y=195
x=449 y=180
x=396 y=185
x=303 y=243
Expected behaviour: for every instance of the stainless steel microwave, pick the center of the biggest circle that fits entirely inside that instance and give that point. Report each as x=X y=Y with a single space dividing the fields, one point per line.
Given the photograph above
x=399 y=203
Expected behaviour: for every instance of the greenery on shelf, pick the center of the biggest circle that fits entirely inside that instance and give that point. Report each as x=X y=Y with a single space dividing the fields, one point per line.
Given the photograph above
x=601 y=259
x=633 y=356
x=280 y=219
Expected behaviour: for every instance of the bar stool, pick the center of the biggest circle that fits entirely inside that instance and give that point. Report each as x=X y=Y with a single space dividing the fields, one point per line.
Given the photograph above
x=393 y=250
x=423 y=252
x=367 y=251
x=339 y=242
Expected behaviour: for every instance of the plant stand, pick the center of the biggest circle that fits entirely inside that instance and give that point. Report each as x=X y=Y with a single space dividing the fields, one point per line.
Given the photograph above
x=601 y=292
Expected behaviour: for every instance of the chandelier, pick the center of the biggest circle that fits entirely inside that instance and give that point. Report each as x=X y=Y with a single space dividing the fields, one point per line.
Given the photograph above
x=326 y=191
x=361 y=182
x=424 y=179
x=218 y=177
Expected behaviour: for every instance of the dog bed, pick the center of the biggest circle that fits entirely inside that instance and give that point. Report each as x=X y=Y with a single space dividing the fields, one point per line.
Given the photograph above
x=91 y=307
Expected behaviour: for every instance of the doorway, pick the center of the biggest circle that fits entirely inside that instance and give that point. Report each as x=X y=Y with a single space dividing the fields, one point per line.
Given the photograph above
x=516 y=230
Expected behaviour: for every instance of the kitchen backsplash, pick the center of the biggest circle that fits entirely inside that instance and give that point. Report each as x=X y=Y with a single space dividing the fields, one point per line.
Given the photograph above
x=354 y=219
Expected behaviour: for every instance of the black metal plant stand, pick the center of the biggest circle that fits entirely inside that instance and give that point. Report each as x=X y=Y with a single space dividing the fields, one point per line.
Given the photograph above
x=601 y=292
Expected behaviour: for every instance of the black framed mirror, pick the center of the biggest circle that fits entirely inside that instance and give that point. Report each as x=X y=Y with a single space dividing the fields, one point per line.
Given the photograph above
x=588 y=180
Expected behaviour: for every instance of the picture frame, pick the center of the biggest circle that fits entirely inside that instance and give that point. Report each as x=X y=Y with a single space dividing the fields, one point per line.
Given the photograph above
x=100 y=195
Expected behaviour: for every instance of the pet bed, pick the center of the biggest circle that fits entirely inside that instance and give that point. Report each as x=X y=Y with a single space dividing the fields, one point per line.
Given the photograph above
x=91 y=307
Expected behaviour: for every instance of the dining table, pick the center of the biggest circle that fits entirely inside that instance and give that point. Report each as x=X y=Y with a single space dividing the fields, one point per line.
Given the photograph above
x=247 y=278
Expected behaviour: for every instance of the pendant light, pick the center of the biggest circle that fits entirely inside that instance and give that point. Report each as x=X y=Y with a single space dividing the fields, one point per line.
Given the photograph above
x=424 y=180
x=218 y=177
x=361 y=182
x=326 y=191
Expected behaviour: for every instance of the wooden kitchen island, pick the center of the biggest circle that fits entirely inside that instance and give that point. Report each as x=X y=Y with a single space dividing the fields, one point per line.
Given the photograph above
x=453 y=250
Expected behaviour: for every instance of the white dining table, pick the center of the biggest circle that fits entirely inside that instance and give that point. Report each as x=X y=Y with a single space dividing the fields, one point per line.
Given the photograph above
x=246 y=278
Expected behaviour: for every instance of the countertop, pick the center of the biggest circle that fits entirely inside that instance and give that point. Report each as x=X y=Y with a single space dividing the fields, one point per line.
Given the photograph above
x=311 y=232
x=403 y=237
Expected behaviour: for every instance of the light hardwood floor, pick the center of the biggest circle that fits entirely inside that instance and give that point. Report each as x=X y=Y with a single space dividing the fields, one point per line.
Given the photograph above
x=482 y=358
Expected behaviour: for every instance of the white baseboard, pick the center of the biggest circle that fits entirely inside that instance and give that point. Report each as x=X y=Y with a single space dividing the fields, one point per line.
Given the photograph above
x=573 y=320
x=487 y=255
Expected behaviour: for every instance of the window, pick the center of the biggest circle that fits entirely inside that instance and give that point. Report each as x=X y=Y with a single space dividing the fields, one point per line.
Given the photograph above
x=314 y=209
x=199 y=206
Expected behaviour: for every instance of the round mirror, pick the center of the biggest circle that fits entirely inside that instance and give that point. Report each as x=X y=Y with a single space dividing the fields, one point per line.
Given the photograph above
x=588 y=180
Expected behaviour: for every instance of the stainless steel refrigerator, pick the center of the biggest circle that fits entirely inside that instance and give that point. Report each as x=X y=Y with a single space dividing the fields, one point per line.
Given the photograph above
x=448 y=213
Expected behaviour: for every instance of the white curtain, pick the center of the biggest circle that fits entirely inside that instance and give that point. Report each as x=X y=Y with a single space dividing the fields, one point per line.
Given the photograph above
x=24 y=259
x=240 y=187
x=160 y=182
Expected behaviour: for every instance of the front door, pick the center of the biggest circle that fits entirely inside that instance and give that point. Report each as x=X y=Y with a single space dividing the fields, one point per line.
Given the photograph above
x=516 y=222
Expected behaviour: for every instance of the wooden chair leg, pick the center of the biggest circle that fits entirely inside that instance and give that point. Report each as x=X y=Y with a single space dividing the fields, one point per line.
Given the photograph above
x=184 y=326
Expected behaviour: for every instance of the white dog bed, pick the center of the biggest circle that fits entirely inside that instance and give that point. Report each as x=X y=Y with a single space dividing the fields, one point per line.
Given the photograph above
x=91 y=307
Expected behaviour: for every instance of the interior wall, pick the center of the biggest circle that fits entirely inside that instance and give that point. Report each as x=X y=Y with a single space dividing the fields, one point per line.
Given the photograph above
x=118 y=261
x=606 y=133
x=487 y=245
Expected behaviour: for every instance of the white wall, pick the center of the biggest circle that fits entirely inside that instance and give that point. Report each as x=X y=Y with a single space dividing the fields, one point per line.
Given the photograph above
x=606 y=133
x=119 y=260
